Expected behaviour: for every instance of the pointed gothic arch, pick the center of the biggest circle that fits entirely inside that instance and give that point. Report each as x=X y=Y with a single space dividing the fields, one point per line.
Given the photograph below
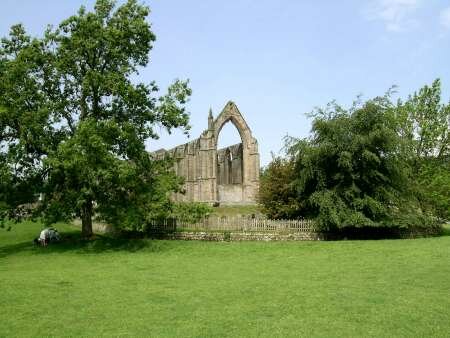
x=231 y=113
x=199 y=162
x=248 y=175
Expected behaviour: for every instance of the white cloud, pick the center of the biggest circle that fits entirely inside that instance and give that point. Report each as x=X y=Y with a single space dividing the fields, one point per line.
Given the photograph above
x=397 y=15
x=445 y=18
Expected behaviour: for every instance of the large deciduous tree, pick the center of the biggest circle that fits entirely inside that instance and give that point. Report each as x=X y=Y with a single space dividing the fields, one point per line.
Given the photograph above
x=73 y=124
x=354 y=171
x=423 y=122
x=348 y=172
x=277 y=191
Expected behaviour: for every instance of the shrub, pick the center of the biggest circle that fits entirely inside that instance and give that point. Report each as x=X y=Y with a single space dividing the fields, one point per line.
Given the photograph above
x=190 y=212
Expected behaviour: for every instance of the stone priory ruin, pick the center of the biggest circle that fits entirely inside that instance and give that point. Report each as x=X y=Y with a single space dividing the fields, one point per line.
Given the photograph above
x=218 y=176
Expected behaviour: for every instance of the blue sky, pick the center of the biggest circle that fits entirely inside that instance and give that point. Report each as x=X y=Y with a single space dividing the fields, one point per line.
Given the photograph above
x=277 y=60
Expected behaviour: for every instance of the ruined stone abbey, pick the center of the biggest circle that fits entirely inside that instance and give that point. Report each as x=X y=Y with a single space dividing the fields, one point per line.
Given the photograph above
x=224 y=176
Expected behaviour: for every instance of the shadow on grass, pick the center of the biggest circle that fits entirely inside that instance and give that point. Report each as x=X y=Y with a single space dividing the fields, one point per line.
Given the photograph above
x=13 y=249
x=446 y=230
x=72 y=242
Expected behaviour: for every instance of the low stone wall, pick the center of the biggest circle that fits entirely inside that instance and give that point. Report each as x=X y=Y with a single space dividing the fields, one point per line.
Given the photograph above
x=242 y=236
x=419 y=233
x=216 y=236
x=382 y=233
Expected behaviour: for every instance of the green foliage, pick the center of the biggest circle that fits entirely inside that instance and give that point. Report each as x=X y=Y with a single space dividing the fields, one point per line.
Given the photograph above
x=432 y=184
x=227 y=236
x=354 y=171
x=277 y=194
x=190 y=212
x=73 y=125
x=423 y=122
x=349 y=173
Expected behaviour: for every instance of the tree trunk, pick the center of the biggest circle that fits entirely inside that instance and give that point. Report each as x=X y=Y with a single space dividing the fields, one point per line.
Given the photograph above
x=86 y=220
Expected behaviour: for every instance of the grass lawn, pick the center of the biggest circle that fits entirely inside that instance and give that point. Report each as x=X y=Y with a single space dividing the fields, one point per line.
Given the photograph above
x=236 y=210
x=391 y=288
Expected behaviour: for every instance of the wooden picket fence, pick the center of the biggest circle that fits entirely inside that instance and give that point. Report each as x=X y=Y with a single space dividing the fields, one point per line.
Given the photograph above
x=234 y=224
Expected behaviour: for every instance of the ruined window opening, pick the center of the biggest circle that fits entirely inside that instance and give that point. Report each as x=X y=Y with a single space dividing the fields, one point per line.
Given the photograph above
x=229 y=156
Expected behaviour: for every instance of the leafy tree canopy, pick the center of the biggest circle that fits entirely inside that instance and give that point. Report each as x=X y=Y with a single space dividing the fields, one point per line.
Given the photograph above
x=277 y=192
x=73 y=124
x=423 y=123
x=348 y=171
x=360 y=166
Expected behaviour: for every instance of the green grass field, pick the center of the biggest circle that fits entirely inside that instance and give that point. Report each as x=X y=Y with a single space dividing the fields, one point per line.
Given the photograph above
x=236 y=210
x=112 y=287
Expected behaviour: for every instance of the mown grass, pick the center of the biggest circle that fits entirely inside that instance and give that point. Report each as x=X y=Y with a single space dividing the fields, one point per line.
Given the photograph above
x=236 y=210
x=114 y=287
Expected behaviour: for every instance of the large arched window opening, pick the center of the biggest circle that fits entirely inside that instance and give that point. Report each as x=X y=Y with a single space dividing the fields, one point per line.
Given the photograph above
x=229 y=155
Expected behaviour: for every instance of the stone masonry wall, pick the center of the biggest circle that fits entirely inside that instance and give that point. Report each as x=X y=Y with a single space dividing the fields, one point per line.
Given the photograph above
x=204 y=167
x=245 y=236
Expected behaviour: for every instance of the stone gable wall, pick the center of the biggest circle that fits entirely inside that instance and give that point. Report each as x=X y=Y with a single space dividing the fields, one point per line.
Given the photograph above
x=208 y=171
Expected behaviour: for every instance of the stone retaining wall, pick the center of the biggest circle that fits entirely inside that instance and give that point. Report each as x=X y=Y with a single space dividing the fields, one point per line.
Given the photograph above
x=243 y=236
x=220 y=236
